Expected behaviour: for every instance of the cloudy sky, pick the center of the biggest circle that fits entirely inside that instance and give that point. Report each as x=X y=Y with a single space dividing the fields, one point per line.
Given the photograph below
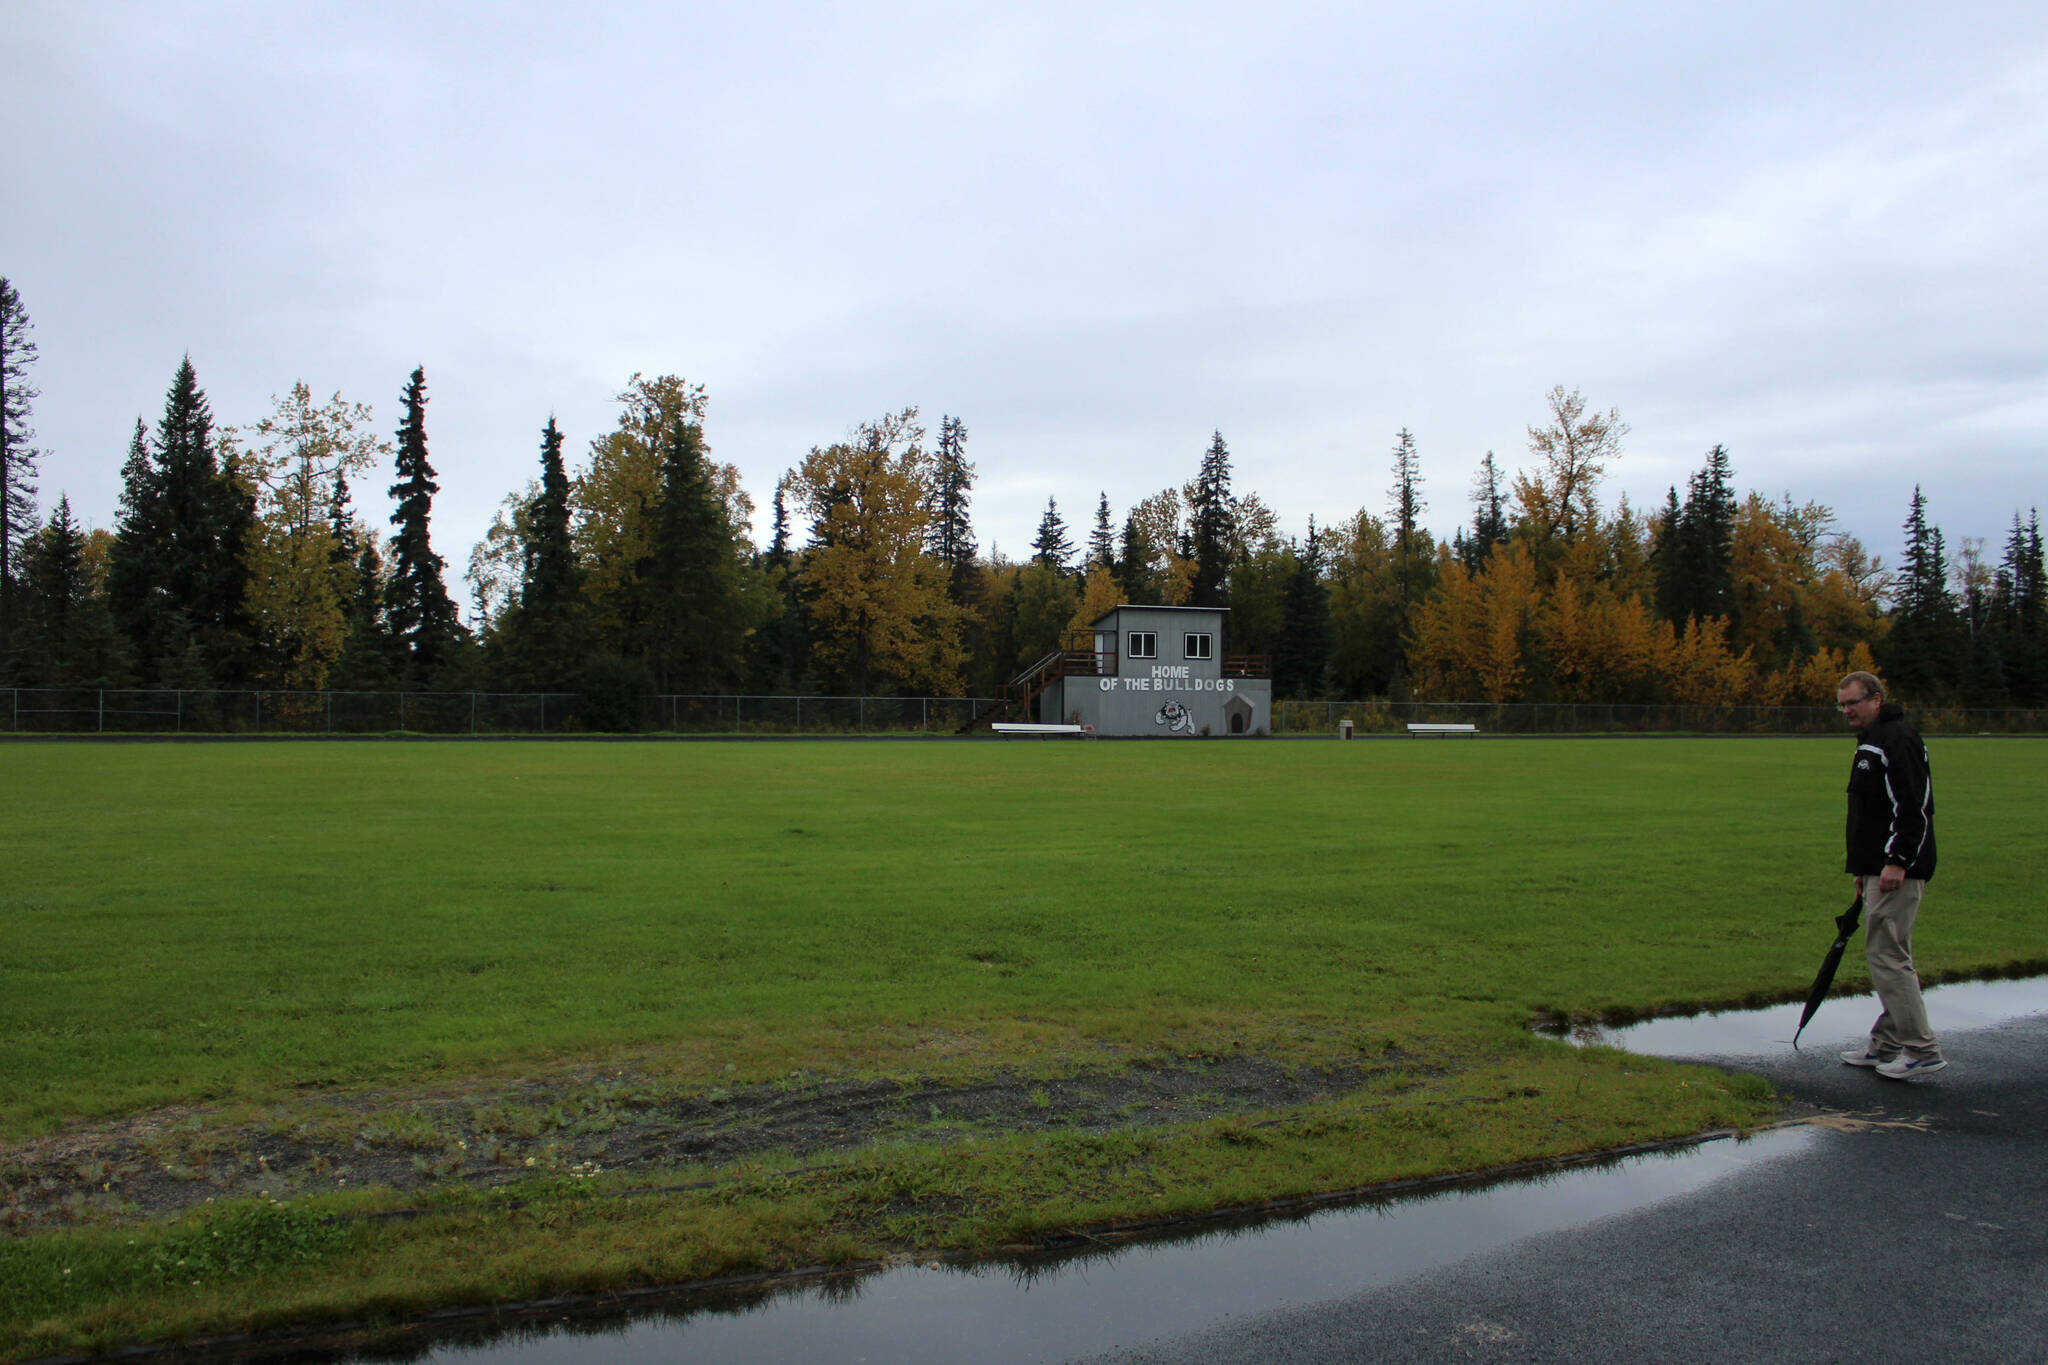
x=1095 y=232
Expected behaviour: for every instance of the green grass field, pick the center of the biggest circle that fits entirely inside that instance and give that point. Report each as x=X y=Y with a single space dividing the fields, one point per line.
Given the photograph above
x=231 y=921
x=251 y=927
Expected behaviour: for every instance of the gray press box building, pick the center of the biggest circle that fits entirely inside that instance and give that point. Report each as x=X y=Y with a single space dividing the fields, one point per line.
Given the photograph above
x=1154 y=671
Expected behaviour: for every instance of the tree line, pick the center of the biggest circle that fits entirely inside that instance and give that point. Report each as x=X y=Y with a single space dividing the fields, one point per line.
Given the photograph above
x=240 y=558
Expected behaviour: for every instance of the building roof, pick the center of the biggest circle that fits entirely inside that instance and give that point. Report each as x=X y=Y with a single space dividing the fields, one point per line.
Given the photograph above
x=1140 y=606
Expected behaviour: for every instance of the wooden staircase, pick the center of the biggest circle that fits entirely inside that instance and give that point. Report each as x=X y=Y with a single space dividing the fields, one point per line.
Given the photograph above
x=1016 y=697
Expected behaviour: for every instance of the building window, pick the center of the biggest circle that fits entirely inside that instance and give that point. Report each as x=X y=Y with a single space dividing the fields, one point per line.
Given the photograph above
x=1195 y=646
x=1144 y=644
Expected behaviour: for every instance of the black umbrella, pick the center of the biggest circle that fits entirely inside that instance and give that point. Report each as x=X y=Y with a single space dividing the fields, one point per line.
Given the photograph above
x=1845 y=923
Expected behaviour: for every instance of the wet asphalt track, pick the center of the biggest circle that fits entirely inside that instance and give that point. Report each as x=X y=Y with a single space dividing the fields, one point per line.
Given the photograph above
x=1918 y=1235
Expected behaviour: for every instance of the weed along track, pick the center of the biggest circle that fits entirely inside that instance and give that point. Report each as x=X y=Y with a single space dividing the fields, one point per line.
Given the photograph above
x=633 y=1128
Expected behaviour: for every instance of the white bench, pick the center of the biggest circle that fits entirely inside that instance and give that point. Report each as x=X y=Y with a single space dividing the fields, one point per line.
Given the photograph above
x=1014 y=727
x=1423 y=728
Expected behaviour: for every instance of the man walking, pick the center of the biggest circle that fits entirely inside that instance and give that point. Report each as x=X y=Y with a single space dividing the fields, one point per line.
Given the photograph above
x=1891 y=856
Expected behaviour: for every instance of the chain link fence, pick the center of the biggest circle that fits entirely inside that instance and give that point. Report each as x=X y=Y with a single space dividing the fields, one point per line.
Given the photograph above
x=117 y=711
x=113 y=711
x=1565 y=718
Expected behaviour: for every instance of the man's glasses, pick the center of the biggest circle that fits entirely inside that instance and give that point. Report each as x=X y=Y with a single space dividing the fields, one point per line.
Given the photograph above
x=1854 y=701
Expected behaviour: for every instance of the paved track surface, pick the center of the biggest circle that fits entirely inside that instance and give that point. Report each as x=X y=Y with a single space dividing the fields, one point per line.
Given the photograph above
x=1913 y=1229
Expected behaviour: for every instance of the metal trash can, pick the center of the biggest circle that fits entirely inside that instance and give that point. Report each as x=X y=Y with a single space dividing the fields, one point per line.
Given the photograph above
x=1343 y=729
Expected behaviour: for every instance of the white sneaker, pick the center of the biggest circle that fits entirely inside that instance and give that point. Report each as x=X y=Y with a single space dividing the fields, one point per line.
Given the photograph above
x=1905 y=1068
x=1864 y=1057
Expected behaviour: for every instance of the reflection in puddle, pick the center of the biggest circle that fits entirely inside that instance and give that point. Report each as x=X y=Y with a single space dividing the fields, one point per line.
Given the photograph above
x=1050 y=1310
x=1840 y=1021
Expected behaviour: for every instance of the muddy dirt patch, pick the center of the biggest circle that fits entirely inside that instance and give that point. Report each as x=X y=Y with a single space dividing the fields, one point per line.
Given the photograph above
x=617 y=1121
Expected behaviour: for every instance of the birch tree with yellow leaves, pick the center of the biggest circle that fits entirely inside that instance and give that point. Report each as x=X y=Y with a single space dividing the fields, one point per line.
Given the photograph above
x=879 y=608
x=1558 y=502
x=300 y=572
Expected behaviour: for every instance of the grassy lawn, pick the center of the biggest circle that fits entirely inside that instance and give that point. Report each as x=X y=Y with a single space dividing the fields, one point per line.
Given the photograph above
x=245 y=925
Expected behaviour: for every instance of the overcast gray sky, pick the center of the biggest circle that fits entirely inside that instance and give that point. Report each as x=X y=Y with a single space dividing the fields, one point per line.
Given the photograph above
x=1094 y=232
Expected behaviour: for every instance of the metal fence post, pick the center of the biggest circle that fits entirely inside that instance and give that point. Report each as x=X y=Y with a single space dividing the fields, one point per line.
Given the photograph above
x=103 y=710
x=472 y=712
x=863 y=724
x=401 y=710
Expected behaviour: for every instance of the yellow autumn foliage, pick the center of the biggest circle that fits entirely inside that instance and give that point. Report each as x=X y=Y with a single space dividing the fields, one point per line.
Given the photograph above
x=879 y=608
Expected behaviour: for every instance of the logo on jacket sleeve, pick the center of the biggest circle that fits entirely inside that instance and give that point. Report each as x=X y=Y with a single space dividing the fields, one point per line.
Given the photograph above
x=1862 y=765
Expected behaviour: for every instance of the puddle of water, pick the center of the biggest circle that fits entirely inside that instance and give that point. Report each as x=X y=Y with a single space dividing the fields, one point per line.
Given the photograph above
x=1047 y=1310
x=1840 y=1021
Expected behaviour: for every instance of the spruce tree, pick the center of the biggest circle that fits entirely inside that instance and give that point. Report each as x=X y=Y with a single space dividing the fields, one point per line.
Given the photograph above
x=364 y=661
x=2033 y=615
x=1050 y=546
x=370 y=658
x=54 y=587
x=2032 y=578
x=188 y=470
x=64 y=635
x=1489 y=516
x=696 y=626
x=341 y=526
x=134 y=583
x=233 y=652
x=18 y=453
x=1665 y=563
x=1695 y=555
x=550 y=555
x=1924 y=652
x=776 y=650
x=951 y=537
x=419 y=615
x=1711 y=511
x=1212 y=531
x=2020 y=612
x=1407 y=507
x=1716 y=531
x=1102 y=540
x=778 y=539
x=1983 y=668
x=178 y=571
x=543 y=630
x=1304 y=653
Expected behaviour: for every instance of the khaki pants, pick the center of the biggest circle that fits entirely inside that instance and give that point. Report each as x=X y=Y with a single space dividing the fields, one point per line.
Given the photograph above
x=1888 y=946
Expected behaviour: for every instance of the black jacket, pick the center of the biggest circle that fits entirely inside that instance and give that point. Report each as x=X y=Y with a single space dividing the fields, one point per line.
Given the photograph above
x=1891 y=799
